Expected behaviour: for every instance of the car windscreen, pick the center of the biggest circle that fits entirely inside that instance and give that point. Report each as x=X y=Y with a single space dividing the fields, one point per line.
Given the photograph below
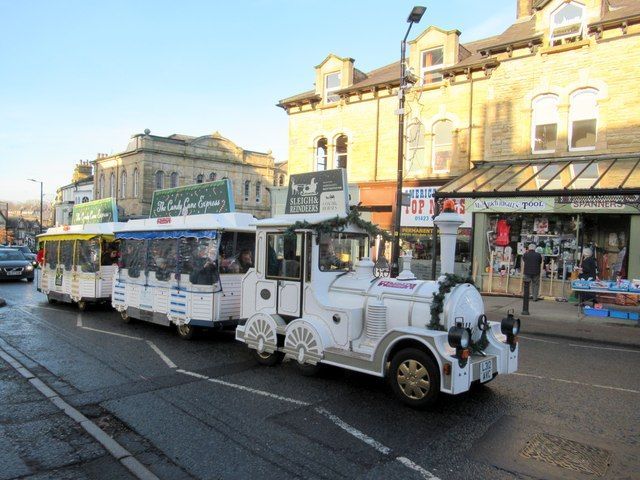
x=10 y=255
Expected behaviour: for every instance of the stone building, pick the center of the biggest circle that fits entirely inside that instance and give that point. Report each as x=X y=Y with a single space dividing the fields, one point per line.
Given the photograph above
x=80 y=190
x=558 y=84
x=152 y=162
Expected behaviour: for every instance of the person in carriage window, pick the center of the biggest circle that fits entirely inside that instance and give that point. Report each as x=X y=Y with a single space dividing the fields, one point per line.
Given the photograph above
x=205 y=269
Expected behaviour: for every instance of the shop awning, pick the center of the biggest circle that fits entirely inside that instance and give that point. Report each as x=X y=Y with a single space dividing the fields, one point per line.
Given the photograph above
x=153 y=235
x=575 y=176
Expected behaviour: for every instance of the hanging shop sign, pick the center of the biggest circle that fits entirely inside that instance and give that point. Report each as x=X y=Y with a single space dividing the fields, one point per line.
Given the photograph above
x=421 y=208
x=97 y=211
x=318 y=192
x=599 y=202
x=198 y=199
x=526 y=204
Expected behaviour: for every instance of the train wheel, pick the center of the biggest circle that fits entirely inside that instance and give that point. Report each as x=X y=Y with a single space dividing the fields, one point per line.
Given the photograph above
x=185 y=332
x=266 y=358
x=125 y=317
x=51 y=300
x=414 y=378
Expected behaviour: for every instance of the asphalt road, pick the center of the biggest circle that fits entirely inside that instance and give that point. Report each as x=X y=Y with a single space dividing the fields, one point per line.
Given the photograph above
x=204 y=409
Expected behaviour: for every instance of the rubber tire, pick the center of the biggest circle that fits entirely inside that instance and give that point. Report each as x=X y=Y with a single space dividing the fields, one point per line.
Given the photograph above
x=432 y=369
x=125 y=317
x=30 y=280
x=186 y=334
x=308 y=370
x=51 y=300
x=269 y=360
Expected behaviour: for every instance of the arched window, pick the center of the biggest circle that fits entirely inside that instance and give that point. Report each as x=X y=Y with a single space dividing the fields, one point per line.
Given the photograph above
x=341 y=152
x=159 y=180
x=544 y=124
x=566 y=23
x=101 y=186
x=281 y=181
x=200 y=178
x=173 y=180
x=212 y=177
x=442 y=146
x=258 y=192
x=136 y=180
x=321 y=154
x=112 y=185
x=123 y=184
x=414 y=154
x=247 y=190
x=85 y=199
x=583 y=120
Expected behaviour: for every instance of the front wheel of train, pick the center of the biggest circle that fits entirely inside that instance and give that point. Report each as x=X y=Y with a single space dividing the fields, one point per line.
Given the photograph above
x=414 y=378
x=267 y=359
x=186 y=332
x=125 y=317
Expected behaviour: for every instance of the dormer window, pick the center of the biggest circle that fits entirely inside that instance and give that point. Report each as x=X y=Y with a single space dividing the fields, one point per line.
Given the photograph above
x=431 y=63
x=331 y=85
x=567 y=23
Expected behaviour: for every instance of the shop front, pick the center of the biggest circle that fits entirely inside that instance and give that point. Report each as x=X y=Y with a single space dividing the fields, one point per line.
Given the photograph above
x=563 y=207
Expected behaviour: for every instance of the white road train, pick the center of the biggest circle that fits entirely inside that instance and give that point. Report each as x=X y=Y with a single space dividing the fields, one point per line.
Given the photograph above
x=313 y=298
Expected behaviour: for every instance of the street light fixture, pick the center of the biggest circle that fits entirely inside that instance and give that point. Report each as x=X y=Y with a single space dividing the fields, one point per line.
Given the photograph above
x=41 y=196
x=414 y=17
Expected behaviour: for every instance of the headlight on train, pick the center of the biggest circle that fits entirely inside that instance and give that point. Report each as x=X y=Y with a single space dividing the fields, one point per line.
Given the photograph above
x=483 y=323
x=510 y=326
x=459 y=337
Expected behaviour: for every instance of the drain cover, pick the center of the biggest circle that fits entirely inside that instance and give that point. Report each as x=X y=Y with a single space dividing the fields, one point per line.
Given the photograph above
x=567 y=454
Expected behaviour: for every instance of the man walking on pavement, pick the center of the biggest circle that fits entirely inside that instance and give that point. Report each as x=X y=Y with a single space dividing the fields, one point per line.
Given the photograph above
x=532 y=263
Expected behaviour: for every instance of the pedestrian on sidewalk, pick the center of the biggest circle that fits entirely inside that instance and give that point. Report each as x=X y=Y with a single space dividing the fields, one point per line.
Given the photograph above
x=589 y=271
x=532 y=263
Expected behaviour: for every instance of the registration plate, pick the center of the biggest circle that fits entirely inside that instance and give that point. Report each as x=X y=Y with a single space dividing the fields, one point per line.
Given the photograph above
x=486 y=372
x=14 y=272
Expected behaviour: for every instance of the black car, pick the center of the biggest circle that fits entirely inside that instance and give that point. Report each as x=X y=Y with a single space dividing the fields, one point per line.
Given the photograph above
x=14 y=266
x=26 y=251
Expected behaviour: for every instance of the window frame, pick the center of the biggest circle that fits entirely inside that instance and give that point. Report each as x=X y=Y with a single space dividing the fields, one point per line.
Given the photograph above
x=433 y=68
x=328 y=91
x=535 y=123
x=247 y=190
x=337 y=156
x=173 y=180
x=299 y=243
x=258 y=192
x=101 y=182
x=159 y=179
x=572 y=119
x=553 y=26
x=415 y=150
x=434 y=149
x=123 y=184
x=136 y=180
x=325 y=156
x=200 y=178
x=112 y=185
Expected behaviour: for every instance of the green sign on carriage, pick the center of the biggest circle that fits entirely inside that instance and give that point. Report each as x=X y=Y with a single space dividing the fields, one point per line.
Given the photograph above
x=198 y=199
x=98 y=211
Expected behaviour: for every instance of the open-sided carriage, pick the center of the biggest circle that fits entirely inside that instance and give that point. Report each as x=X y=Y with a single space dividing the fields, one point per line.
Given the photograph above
x=314 y=298
x=79 y=262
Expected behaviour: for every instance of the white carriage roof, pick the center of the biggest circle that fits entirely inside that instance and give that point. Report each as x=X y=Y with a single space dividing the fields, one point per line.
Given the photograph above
x=237 y=222
x=286 y=220
x=86 y=229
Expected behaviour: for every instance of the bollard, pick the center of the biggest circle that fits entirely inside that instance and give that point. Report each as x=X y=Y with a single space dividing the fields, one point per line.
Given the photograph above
x=525 y=297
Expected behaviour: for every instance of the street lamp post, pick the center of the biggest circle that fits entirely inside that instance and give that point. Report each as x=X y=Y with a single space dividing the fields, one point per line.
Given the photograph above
x=414 y=17
x=41 y=196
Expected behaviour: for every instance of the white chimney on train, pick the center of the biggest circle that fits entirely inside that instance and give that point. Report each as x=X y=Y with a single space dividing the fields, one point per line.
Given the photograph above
x=448 y=223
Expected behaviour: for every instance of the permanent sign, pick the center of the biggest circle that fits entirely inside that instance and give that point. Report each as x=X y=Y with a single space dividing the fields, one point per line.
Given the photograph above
x=421 y=208
x=318 y=192
x=198 y=199
x=98 y=211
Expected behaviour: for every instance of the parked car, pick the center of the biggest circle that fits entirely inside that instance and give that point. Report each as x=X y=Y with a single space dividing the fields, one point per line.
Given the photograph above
x=26 y=251
x=14 y=266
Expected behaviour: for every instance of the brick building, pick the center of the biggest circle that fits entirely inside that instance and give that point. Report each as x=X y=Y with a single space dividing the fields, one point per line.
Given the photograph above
x=152 y=162
x=558 y=84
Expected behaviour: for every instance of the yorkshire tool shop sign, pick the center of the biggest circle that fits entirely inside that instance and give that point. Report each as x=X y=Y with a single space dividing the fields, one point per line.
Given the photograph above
x=318 y=192
x=98 y=211
x=198 y=199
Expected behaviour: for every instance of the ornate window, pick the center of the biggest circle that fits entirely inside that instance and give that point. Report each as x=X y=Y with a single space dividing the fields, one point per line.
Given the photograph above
x=431 y=63
x=112 y=185
x=566 y=23
x=281 y=181
x=123 y=184
x=442 y=146
x=101 y=186
x=258 y=192
x=200 y=178
x=414 y=155
x=544 y=124
x=85 y=199
x=136 y=180
x=159 y=180
x=247 y=190
x=173 y=180
x=341 y=151
x=321 y=154
x=583 y=120
x=212 y=177
x=331 y=84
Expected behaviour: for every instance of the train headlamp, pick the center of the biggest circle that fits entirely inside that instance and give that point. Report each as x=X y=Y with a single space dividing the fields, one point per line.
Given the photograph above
x=510 y=326
x=459 y=337
x=483 y=323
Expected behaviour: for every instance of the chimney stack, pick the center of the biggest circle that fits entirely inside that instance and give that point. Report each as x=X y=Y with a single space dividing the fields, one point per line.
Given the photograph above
x=525 y=8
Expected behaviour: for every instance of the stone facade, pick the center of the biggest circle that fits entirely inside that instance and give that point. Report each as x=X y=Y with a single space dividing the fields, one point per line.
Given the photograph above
x=80 y=190
x=485 y=89
x=151 y=162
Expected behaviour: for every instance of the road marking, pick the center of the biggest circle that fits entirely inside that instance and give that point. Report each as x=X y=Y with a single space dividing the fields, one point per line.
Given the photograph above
x=354 y=431
x=537 y=339
x=111 y=333
x=605 y=348
x=607 y=387
x=79 y=322
x=414 y=466
x=120 y=453
x=160 y=353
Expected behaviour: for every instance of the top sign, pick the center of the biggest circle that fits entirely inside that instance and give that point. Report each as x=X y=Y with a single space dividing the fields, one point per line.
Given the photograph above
x=325 y=191
x=198 y=199
x=98 y=211
x=420 y=210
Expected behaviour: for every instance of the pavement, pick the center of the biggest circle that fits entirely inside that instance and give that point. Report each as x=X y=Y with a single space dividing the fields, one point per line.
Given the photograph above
x=565 y=320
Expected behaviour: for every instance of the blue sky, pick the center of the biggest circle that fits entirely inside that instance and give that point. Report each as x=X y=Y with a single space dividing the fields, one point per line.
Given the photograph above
x=81 y=77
